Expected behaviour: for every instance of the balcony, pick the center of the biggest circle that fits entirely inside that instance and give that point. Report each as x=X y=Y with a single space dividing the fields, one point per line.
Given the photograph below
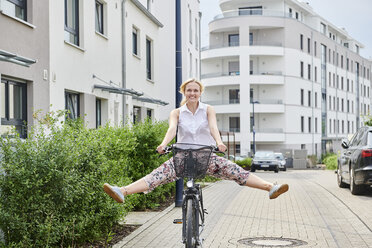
x=268 y=106
x=220 y=74
x=223 y=102
x=268 y=135
x=231 y=44
x=251 y=12
x=267 y=77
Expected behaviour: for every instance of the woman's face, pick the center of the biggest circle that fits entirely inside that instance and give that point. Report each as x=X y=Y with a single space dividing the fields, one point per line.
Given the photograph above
x=192 y=92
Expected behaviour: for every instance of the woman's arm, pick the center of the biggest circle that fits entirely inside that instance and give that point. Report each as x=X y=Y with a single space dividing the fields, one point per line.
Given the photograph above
x=212 y=121
x=172 y=129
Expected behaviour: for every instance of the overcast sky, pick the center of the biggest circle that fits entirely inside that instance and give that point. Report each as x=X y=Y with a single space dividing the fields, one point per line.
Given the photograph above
x=355 y=16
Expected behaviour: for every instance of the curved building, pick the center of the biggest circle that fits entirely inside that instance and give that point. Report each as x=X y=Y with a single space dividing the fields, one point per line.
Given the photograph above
x=282 y=77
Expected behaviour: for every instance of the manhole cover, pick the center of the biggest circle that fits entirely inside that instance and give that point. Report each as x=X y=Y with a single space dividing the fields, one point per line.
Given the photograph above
x=272 y=242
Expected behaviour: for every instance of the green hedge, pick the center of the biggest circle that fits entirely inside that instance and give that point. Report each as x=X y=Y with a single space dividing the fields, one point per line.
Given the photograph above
x=51 y=183
x=245 y=163
x=331 y=162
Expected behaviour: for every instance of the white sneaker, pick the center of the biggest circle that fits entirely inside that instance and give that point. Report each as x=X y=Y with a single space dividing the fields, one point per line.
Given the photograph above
x=277 y=190
x=114 y=192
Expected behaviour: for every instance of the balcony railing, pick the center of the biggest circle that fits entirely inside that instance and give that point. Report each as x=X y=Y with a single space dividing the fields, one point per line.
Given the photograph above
x=266 y=43
x=231 y=44
x=277 y=73
x=251 y=12
x=268 y=130
x=220 y=74
x=223 y=102
x=268 y=101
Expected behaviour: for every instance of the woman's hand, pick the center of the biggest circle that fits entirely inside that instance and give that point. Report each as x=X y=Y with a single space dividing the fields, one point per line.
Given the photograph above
x=222 y=147
x=160 y=149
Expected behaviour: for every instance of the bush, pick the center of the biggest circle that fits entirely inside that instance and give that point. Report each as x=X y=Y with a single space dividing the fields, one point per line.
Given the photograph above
x=331 y=162
x=326 y=155
x=51 y=189
x=245 y=163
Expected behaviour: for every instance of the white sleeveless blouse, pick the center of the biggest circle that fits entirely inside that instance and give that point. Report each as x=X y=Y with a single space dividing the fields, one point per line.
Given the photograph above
x=194 y=128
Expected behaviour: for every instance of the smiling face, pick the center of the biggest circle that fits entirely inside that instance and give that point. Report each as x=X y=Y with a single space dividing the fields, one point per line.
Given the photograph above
x=192 y=92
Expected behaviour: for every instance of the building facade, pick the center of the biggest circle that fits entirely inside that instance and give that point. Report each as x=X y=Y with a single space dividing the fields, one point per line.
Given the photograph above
x=282 y=77
x=104 y=61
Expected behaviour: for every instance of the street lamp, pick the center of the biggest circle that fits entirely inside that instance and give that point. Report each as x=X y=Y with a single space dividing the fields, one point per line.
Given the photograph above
x=254 y=131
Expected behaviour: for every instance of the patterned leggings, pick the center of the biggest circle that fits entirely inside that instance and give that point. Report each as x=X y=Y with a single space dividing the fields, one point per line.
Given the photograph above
x=218 y=167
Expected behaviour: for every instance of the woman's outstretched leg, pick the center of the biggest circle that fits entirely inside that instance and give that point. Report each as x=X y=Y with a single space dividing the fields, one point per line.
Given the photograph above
x=162 y=175
x=275 y=190
x=118 y=193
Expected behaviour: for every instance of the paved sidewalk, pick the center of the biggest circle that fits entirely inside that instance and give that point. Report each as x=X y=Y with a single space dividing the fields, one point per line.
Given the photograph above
x=314 y=211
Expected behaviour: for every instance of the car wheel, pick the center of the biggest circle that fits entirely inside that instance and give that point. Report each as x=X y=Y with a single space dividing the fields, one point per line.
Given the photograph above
x=253 y=169
x=276 y=169
x=285 y=168
x=354 y=188
x=340 y=183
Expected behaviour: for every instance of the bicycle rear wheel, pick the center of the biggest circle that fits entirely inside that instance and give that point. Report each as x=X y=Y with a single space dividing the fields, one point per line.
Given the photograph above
x=190 y=225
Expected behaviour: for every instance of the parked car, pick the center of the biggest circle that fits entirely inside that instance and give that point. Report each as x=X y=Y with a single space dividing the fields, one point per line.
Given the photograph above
x=354 y=165
x=265 y=160
x=282 y=162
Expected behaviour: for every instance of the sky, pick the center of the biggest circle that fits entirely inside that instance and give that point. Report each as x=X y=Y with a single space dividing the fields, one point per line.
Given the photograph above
x=355 y=16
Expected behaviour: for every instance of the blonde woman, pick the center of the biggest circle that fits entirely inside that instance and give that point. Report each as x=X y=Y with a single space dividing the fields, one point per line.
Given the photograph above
x=196 y=124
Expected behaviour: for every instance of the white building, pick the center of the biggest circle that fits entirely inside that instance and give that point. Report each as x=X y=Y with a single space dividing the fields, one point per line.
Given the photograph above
x=105 y=61
x=309 y=85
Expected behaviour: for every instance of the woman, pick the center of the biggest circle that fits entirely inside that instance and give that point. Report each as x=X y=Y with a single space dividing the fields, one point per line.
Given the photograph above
x=196 y=124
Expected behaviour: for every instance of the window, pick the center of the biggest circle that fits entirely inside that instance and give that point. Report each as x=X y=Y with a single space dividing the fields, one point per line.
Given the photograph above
x=342 y=126
x=72 y=21
x=301 y=42
x=348 y=106
x=234 y=96
x=290 y=12
x=309 y=124
x=316 y=125
x=148 y=5
x=72 y=105
x=309 y=98
x=342 y=104
x=99 y=17
x=135 y=34
x=314 y=48
x=347 y=64
x=234 y=124
x=347 y=84
x=308 y=45
x=98 y=113
x=233 y=39
x=330 y=126
x=190 y=27
x=297 y=15
x=302 y=69
x=342 y=83
x=302 y=97
x=149 y=113
x=16 y=8
x=316 y=99
x=342 y=61
x=234 y=68
x=136 y=114
x=315 y=74
x=196 y=34
x=237 y=148
x=323 y=28
x=149 y=73
x=309 y=71
x=250 y=39
x=13 y=110
x=257 y=10
x=302 y=124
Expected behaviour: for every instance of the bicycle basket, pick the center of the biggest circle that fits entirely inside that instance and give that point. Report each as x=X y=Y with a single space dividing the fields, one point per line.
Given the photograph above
x=191 y=163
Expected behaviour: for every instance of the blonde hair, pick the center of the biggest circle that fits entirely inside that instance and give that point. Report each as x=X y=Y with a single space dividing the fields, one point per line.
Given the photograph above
x=183 y=88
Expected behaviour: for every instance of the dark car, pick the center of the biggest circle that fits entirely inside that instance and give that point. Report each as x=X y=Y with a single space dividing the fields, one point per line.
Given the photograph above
x=265 y=160
x=354 y=166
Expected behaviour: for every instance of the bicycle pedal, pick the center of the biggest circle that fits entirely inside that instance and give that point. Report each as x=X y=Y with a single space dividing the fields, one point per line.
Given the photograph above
x=177 y=221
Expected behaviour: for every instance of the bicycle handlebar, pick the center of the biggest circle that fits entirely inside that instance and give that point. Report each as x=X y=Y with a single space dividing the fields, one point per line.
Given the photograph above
x=168 y=149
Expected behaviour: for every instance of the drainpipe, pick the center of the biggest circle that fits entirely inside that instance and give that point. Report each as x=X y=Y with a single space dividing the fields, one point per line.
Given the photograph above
x=123 y=47
x=179 y=182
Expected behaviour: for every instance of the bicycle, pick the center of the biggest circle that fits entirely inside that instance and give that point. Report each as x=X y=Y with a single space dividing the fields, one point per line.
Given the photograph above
x=191 y=163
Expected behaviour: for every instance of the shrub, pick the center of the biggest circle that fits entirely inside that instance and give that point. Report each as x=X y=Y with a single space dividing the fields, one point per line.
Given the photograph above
x=331 y=162
x=245 y=163
x=51 y=183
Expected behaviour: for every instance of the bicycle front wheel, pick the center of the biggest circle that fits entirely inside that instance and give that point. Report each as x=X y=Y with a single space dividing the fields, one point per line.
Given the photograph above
x=190 y=225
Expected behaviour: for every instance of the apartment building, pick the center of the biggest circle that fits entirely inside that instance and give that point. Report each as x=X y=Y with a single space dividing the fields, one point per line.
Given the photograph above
x=282 y=77
x=103 y=61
